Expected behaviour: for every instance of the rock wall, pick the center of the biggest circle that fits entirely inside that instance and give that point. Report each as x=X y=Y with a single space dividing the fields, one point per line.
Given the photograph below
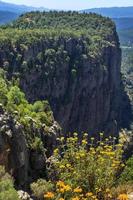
x=84 y=92
x=23 y=163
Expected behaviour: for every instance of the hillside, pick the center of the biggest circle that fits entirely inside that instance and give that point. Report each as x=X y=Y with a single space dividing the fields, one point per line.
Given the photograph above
x=6 y=17
x=123 y=23
x=68 y=21
x=113 y=12
x=124 y=28
x=17 y=8
x=10 y=12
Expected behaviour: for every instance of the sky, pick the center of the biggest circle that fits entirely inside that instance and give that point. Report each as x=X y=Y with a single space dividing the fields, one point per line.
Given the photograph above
x=72 y=4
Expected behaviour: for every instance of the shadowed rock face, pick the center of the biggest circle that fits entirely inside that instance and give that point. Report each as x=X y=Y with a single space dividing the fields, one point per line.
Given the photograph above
x=13 y=148
x=23 y=163
x=84 y=92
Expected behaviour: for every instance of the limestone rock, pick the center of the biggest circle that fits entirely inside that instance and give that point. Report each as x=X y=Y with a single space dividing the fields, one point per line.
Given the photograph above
x=24 y=195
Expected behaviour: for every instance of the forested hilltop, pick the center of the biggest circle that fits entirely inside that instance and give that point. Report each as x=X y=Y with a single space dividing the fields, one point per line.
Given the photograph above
x=62 y=20
x=60 y=88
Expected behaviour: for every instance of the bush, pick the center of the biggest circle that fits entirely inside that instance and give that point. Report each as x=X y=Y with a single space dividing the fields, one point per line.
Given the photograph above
x=40 y=187
x=37 y=145
x=127 y=174
x=3 y=88
x=77 y=169
x=7 y=191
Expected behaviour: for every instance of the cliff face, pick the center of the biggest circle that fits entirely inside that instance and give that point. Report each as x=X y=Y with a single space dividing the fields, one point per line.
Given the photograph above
x=84 y=92
x=23 y=163
x=78 y=74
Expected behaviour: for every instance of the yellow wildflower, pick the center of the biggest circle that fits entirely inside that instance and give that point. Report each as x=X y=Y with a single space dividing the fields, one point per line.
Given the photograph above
x=61 y=190
x=56 y=151
x=62 y=187
x=60 y=183
x=89 y=194
x=62 y=167
x=75 y=198
x=84 y=142
x=67 y=188
x=82 y=155
x=68 y=165
x=49 y=195
x=113 y=165
x=123 y=197
x=107 y=190
x=78 y=190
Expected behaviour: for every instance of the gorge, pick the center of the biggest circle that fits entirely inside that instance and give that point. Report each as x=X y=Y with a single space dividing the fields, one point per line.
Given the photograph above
x=68 y=66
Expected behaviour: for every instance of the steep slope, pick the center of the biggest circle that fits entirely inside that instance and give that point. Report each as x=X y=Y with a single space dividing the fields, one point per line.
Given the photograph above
x=75 y=65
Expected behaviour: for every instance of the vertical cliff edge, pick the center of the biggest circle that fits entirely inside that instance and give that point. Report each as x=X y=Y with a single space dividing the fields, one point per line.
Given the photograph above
x=74 y=63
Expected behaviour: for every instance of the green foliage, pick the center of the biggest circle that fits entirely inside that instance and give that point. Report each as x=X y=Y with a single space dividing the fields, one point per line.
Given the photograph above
x=33 y=28
x=37 y=144
x=7 y=191
x=14 y=101
x=127 y=174
x=94 y=169
x=39 y=111
x=3 y=88
x=63 y=20
x=40 y=187
x=15 y=97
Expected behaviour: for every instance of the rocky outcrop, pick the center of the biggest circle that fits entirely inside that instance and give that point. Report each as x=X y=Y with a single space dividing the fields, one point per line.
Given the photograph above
x=22 y=162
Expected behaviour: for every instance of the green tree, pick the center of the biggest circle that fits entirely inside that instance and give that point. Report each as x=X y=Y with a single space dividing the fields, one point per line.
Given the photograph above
x=7 y=190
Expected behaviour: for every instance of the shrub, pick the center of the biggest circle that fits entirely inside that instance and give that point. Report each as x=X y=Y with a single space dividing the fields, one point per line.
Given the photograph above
x=3 y=88
x=122 y=191
x=78 y=169
x=7 y=191
x=37 y=144
x=40 y=187
x=127 y=174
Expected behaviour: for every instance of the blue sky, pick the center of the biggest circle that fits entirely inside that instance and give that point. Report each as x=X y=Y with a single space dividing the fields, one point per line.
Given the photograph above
x=73 y=4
